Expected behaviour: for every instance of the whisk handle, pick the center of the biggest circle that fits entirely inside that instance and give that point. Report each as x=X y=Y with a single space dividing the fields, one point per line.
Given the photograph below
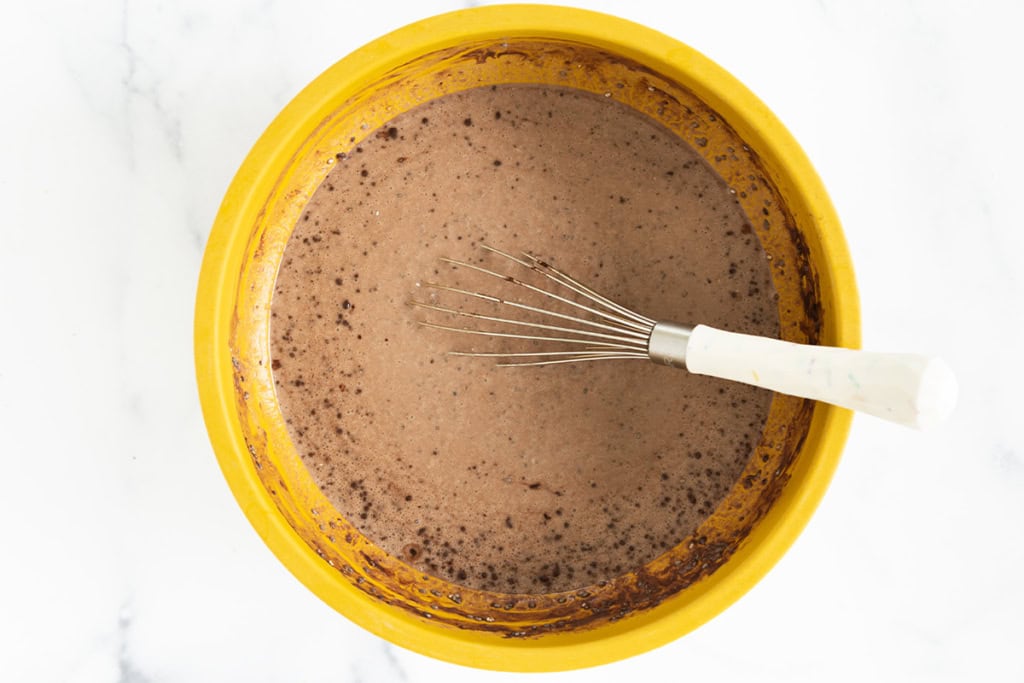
x=913 y=390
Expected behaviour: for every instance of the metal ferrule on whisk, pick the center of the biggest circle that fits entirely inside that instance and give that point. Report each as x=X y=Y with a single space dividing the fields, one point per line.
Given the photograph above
x=667 y=344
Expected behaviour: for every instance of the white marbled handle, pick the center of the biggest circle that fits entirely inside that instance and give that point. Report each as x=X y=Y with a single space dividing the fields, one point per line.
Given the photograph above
x=917 y=391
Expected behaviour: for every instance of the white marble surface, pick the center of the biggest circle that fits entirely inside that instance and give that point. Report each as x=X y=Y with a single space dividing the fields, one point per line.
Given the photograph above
x=125 y=559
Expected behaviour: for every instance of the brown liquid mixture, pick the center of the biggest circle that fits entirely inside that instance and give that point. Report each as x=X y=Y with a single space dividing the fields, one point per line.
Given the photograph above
x=523 y=480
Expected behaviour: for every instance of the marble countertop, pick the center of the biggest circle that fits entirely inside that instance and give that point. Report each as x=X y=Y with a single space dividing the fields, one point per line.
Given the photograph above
x=127 y=560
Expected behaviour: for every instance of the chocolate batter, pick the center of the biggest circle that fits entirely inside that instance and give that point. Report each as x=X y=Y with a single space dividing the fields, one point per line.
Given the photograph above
x=524 y=480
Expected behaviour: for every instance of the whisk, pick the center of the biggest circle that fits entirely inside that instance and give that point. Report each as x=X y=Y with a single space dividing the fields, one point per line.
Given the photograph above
x=910 y=389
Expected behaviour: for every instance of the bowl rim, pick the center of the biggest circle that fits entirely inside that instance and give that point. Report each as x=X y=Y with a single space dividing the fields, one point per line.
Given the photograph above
x=218 y=284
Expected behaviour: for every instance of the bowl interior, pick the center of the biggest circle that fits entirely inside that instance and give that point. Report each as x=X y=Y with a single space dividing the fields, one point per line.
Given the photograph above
x=681 y=588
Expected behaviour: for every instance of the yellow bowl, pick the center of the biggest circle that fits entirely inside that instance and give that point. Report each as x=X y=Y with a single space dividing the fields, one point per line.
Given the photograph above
x=657 y=75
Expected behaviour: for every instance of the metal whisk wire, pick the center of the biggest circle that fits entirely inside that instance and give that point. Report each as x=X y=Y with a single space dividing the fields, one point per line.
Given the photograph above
x=617 y=333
